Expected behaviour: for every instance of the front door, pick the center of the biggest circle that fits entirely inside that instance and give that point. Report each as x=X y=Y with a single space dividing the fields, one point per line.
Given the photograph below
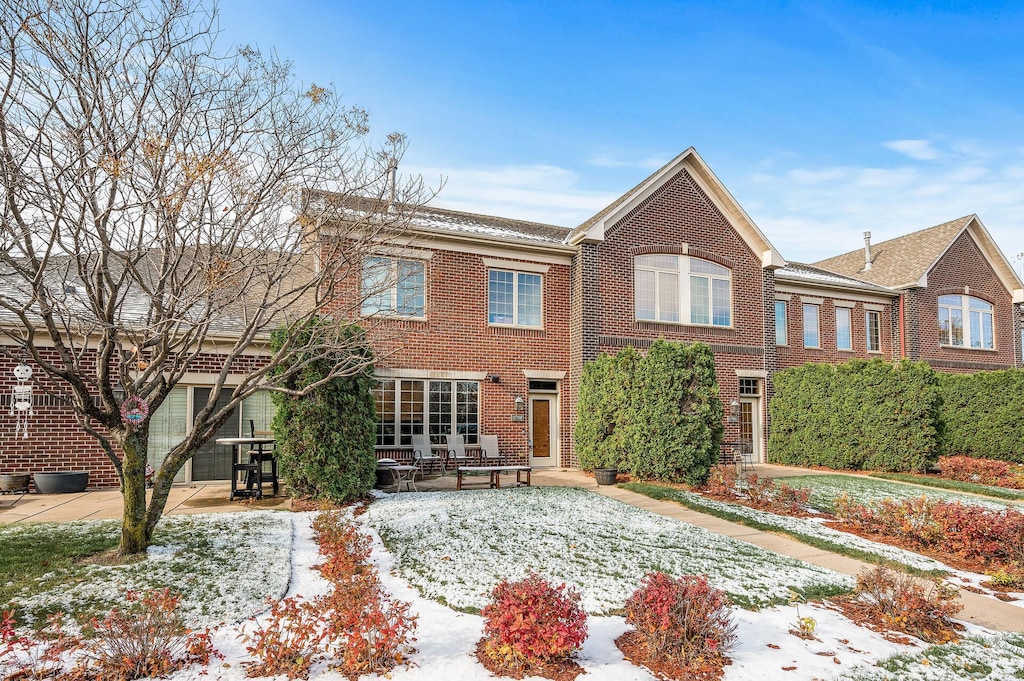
x=543 y=429
x=750 y=427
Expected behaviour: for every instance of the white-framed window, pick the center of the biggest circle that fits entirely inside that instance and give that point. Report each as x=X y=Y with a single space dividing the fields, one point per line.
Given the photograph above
x=873 y=331
x=394 y=286
x=844 y=329
x=977 y=332
x=781 y=328
x=674 y=288
x=515 y=298
x=812 y=325
x=407 y=407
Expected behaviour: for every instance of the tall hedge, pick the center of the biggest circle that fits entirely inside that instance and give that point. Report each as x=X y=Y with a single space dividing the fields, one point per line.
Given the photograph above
x=656 y=416
x=325 y=439
x=983 y=414
x=858 y=415
x=601 y=424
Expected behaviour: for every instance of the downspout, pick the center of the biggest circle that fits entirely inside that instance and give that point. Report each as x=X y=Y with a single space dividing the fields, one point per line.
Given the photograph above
x=902 y=327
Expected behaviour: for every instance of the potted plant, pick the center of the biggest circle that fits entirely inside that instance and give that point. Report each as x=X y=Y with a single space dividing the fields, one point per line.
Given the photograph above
x=606 y=476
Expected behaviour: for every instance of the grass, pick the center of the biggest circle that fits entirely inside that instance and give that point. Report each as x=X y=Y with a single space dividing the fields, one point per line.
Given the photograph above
x=956 y=485
x=990 y=656
x=824 y=488
x=805 y=531
x=223 y=566
x=453 y=547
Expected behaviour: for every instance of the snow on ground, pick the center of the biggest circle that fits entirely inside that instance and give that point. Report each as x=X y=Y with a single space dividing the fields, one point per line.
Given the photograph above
x=455 y=546
x=824 y=488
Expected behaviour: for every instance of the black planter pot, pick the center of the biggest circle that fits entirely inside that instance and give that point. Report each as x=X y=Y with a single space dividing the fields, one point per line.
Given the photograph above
x=606 y=476
x=61 y=482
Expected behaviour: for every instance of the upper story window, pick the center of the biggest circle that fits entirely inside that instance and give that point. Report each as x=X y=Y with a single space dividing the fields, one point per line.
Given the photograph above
x=872 y=331
x=781 y=329
x=812 y=326
x=977 y=332
x=844 y=329
x=674 y=288
x=394 y=286
x=514 y=298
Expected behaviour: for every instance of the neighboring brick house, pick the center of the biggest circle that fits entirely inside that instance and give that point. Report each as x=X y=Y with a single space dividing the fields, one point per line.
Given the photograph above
x=956 y=296
x=482 y=325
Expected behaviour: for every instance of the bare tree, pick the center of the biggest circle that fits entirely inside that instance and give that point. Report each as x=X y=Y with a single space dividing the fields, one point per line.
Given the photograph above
x=157 y=213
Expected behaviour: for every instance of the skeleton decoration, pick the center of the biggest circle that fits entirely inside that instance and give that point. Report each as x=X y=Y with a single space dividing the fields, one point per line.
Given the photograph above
x=21 y=399
x=134 y=410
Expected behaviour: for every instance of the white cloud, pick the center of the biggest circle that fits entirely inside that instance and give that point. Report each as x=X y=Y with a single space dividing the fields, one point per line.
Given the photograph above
x=608 y=161
x=920 y=150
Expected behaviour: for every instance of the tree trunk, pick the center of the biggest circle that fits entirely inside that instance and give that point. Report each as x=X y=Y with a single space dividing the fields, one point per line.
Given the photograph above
x=136 y=533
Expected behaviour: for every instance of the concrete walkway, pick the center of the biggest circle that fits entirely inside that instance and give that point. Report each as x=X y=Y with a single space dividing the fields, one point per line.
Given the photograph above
x=978 y=609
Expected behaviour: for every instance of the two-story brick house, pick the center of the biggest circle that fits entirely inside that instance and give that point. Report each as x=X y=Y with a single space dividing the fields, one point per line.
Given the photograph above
x=676 y=257
x=482 y=324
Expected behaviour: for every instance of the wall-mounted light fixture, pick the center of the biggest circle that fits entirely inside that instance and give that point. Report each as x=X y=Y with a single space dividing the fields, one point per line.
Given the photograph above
x=495 y=378
x=520 y=404
x=734 y=411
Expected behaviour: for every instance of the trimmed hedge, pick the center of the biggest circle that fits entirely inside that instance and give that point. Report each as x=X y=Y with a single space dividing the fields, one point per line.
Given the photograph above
x=858 y=415
x=656 y=416
x=983 y=414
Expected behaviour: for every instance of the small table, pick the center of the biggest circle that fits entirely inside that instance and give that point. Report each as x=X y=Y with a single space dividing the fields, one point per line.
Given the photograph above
x=495 y=474
x=257 y=458
x=401 y=473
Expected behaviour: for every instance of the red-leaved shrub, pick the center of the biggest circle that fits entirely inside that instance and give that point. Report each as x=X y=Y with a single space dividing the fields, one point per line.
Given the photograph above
x=531 y=622
x=357 y=626
x=148 y=639
x=903 y=603
x=684 y=619
x=722 y=482
x=22 y=657
x=982 y=471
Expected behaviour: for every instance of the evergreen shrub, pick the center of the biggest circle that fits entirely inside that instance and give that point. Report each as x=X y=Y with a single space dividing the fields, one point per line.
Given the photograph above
x=655 y=416
x=325 y=439
x=859 y=415
x=983 y=414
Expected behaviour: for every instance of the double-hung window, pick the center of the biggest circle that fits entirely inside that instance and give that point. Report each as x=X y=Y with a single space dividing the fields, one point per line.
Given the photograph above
x=393 y=286
x=781 y=329
x=966 y=322
x=515 y=298
x=407 y=407
x=679 y=288
x=873 y=331
x=844 y=329
x=812 y=326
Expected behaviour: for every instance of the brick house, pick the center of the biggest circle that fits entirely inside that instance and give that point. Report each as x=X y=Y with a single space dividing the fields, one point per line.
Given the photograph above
x=482 y=324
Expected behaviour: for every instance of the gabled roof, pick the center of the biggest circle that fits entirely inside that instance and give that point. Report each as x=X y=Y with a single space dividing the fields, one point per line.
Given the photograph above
x=593 y=230
x=904 y=262
x=799 y=272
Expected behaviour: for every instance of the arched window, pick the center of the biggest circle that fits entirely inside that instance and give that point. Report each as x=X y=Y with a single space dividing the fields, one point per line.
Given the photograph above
x=966 y=322
x=682 y=289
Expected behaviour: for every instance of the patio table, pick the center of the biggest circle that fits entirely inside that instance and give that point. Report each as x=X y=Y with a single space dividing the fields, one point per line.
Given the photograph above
x=257 y=456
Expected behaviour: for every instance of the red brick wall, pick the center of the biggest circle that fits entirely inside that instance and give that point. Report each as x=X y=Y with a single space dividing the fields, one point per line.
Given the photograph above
x=963 y=264
x=679 y=212
x=794 y=353
x=455 y=337
x=55 y=439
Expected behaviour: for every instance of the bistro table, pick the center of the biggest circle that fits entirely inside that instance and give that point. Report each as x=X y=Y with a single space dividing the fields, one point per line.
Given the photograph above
x=257 y=456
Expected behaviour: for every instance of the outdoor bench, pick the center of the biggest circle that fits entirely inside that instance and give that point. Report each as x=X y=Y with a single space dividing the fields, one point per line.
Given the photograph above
x=494 y=473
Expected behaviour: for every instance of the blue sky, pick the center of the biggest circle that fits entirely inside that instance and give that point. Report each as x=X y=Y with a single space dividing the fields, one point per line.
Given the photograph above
x=823 y=119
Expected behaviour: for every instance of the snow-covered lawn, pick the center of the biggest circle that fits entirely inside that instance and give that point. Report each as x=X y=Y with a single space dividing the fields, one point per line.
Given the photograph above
x=455 y=546
x=825 y=488
x=446 y=637
x=224 y=566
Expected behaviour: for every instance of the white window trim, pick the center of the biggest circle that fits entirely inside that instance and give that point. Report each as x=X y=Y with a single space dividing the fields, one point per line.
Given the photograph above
x=965 y=310
x=393 y=289
x=515 y=298
x=867 y=334
x=785 y=323
x=803 y=310
x=683 y=275
x=849 y=327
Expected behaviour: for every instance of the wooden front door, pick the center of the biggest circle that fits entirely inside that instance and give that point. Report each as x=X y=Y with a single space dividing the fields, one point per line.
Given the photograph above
x=542 y=431
x=750 y=427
